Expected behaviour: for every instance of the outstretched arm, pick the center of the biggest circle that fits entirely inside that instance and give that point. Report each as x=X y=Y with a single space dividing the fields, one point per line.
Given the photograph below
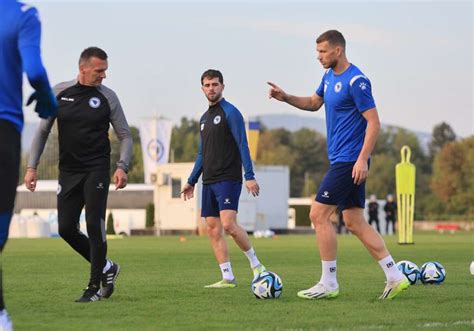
x=312 y=103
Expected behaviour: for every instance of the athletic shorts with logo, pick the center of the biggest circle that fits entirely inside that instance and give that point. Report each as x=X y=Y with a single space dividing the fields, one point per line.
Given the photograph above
x=338 y=187
x=220 y=196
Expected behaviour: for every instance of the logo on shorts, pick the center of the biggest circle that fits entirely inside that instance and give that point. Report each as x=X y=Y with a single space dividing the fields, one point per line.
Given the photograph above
x=337 y=87
x=226 y=201
x=59 y=189
x=94 y=102
x=325 y=194
x=217 y=119
x=100 y=186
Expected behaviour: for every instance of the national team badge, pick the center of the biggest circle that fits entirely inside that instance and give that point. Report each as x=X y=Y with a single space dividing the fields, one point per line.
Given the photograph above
x=217 y=119
x=94 y=102
x=337 y=87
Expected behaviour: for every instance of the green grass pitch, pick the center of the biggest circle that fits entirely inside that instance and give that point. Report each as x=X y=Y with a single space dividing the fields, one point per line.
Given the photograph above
x=161 y=286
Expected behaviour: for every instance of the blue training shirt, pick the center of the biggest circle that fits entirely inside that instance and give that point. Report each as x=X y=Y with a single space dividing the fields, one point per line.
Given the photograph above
x=346 y=97
x=20 y=35
x=223 y=149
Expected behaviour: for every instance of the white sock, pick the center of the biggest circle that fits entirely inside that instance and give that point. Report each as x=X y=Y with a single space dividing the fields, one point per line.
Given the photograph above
x=328 y=276
x=390 y=269
x=226 y=270
x=252 y=256
x=108 y=264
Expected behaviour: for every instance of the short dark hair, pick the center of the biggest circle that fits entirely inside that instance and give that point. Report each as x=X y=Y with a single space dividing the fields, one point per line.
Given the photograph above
x=212 y=73
x=334 y=37
x=92 y=52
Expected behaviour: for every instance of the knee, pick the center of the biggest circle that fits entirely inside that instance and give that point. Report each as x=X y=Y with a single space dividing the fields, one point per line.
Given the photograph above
x=214 y=231
x=229 y=227
x=353 y=225
x=66 y=232
x=317 y=218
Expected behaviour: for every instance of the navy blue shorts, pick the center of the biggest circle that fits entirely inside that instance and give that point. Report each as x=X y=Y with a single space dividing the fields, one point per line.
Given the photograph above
x=338 y=187
x=220 y=196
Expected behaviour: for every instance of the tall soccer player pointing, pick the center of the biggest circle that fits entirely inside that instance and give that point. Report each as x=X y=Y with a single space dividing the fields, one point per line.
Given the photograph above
x=222 y=152
x=352 y=125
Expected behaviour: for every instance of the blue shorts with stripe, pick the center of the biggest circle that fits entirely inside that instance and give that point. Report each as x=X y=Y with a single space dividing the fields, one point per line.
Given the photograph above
x=220 y=196
x=338 y=187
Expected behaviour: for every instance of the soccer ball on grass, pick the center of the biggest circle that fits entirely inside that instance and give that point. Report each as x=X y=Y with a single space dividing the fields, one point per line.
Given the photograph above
x=267 y=285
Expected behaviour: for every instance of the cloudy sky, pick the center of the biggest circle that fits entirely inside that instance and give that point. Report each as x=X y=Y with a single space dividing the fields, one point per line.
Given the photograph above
x=418 y=55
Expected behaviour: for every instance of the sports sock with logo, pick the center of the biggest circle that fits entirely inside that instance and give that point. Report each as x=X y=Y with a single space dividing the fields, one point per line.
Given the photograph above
x=226 y=270
x=390 y=269
x=252 y=256
x=328 y=276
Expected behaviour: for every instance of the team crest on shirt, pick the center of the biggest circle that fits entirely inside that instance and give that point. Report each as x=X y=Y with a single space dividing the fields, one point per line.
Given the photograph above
x=337 y=87
x=94 y=102
x=217 y=119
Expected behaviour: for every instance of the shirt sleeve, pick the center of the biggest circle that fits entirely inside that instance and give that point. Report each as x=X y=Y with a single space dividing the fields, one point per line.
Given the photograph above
x=29 y=46
x=121 y=128
x=197 y=169
x=320 y=89
x=39 y=141
x=361 y=91
x=237 y=127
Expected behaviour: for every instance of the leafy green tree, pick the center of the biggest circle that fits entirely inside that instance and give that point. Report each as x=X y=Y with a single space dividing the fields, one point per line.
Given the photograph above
x=442 y=134
x=150 y=215
x=185 y=140
x=453 y=180
x=311 y=161
x=274 y=148
x=110 y=224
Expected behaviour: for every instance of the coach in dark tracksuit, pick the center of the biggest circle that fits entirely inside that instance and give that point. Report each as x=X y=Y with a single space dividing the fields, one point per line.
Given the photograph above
x=86 y=109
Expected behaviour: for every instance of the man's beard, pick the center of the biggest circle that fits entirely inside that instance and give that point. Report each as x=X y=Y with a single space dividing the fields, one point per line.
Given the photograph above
x=214 y=98
x=332 y=65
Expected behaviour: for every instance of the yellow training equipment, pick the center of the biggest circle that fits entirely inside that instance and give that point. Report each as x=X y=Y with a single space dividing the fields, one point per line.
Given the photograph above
x=405 y=179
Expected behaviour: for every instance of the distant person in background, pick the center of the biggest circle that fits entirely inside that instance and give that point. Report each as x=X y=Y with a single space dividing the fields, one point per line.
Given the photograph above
x=352 y=124
x=223 y=150
x=86 y=110
x=390 y=209
x=20 y=35
x=374 y=212
x=340 y=222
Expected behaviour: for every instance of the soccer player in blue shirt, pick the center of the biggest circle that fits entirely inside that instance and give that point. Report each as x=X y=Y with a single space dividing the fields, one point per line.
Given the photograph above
x=222 y=152
x=20 y=34
x=352 y=125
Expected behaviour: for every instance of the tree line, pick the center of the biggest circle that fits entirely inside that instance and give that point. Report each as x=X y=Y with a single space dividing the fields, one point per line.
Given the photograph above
x=444 y=175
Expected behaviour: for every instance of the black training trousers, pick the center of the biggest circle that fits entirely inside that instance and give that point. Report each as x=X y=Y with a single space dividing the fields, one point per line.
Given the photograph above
x=10 y=151
x=75 y=190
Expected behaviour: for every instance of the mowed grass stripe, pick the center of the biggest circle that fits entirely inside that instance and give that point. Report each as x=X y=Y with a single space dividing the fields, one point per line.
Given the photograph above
x=162 y=279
